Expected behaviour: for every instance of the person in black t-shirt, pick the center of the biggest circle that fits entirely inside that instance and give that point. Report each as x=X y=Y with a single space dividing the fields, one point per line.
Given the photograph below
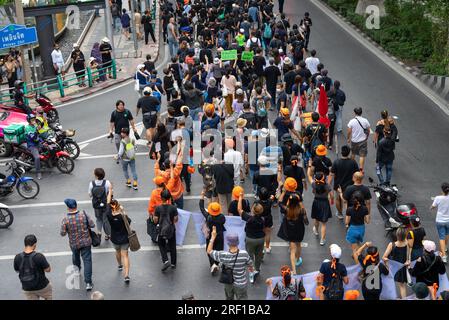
x=415 y=238
x=150 y=106
x=255 y=235
x=232 y=210
x=357 y=178
x=293 y=170
x=106 y=55
x=357 y=216
x=341 y=172
x=170 y=212
x=176 y=103
x=79 y=64
x=319 y=163
x=120 y=118
x=31 y=267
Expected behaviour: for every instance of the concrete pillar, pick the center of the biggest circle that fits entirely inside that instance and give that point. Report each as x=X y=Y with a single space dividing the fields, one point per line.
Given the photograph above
x=363 y=4
x=46 y=36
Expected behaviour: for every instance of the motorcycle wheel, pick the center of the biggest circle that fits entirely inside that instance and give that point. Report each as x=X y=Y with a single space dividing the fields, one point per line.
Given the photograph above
x=53 y=116
x=27 y=158
x=65 y=164
x=6 y=218
x=72 y=148
x=29 y=189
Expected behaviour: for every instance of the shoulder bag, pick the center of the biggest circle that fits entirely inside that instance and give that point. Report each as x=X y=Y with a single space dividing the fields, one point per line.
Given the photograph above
x=134 y=244
x=96 y=240
x=227 y=274
x=365 y=130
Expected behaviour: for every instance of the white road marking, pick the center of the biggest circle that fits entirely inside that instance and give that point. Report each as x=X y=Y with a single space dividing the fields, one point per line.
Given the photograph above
x=142 y=249
x=137 y=199
x=104 y=156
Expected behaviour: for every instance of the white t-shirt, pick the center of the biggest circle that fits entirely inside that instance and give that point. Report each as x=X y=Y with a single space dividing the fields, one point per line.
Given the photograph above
x=236 y=158
x=442 y=205
x=56 y=57
x=357 y=131
x=253 y=40
x=312 y=64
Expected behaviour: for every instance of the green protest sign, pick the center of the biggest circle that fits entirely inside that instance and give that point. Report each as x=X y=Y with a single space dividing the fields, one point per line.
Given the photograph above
x=228 y=55
x=247 y=56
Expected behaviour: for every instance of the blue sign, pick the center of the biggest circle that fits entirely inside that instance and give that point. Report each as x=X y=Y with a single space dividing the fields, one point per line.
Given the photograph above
x=15 y=35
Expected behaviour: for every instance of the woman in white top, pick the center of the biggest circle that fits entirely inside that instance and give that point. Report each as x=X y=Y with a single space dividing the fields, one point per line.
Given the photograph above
x=229 y=81
x=441 y=203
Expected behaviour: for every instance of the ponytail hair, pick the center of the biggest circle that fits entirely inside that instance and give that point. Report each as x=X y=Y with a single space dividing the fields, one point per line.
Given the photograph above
x=320 y=183
x=358 y=200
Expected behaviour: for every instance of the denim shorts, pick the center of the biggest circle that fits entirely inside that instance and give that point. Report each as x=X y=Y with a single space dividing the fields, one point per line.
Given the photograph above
x=443 y=230
x=355 y=234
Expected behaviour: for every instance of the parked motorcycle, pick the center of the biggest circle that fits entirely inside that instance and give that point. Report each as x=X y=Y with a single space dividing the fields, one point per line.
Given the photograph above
x=64 y=140
x=51 y=155
x=6 y=216
x=44 y=102
x=27 y=187
x=394 y=214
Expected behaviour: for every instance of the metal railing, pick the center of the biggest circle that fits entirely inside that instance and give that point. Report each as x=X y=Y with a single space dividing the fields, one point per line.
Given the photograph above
x=59 y=83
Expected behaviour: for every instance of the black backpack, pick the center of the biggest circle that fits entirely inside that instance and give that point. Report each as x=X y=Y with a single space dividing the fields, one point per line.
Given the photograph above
x=27 y=272
x=335 y=290
x=253 y=45
x=165 y=226
x=99 y=196
x=251 y=119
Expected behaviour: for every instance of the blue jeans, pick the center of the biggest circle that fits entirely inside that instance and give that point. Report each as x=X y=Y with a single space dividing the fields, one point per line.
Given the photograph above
x=37 y=160
x=86 y=254
x=132 y=164
x=194 y=113
x=389 y=170
x=251 y=176
x=339 y=119
x=173 y=47
x=117 y=23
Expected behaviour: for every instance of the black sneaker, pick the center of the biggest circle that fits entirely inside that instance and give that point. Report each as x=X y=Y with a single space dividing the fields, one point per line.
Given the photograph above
x=173 y=266
x=165 y=266
x=127 y=280
x=89 y=286
x=120 y=268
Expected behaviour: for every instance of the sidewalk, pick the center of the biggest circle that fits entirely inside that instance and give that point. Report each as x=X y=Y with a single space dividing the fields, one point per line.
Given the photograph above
x=125 y=55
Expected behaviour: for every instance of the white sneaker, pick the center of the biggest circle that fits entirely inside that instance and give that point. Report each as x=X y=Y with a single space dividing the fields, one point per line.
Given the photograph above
x=213 y=269
x=322 y=242
x=267 y=250
x=444 y=258
x=315 y=231
x=340 y=215
x=251 y=277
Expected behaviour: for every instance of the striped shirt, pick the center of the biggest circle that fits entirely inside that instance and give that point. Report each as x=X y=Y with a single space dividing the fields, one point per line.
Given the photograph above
x=241 y=264
x=74 y=224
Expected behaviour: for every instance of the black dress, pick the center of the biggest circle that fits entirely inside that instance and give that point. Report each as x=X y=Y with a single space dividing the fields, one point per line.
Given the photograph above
x=292 y=230
x=399 y=254
x=321 y=209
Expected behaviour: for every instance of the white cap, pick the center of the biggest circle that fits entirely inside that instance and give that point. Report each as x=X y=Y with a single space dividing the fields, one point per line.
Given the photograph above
x=239 y=92
x=335 y=251
x=242 y=30
x=264 y=132
x=105 y=39
x=429 y=246
x=147 y=90
x=287 y=60
x=140 y=66
x=75 y=45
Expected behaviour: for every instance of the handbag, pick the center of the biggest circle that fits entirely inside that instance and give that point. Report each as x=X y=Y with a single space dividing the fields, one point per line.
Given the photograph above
x=96 y=240
x=134 y=244
x=152 y=230
x=227 y=274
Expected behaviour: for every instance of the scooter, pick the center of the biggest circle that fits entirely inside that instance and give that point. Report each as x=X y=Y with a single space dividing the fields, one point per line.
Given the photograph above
x=395 y=215
x=27 y=187
x=44 y=102
x=64 y=139
x=51 y=155
x=6 y=216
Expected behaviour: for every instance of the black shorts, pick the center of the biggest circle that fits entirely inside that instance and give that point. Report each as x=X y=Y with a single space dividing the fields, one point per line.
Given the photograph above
x=150 y=122
x=268 y=221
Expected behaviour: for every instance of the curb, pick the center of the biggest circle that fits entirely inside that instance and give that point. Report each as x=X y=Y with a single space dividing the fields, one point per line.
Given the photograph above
x=438 y=84
x=106 y=85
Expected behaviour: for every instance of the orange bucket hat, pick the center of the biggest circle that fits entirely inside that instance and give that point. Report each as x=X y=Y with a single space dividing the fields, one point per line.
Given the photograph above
x=237 y=191
x=159 y=180
x=352 y=295
x=214 y=208
x=321 y=150
x=290 y=184
x=209 y=109
x=285 y=112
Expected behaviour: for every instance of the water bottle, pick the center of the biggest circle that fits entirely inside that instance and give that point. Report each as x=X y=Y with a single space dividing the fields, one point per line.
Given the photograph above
x=378 y=170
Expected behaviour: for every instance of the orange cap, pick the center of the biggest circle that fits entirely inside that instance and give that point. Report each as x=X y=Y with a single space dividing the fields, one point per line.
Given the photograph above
x=237 y=191
x=159 y=180
x=214 y=208
x=290 y=184
x=209 y=109
x=352 y=295
x=285 y=112
x=321 y=150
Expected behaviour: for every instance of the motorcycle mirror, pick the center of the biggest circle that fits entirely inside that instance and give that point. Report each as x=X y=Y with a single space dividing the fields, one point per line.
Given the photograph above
x=370 y=180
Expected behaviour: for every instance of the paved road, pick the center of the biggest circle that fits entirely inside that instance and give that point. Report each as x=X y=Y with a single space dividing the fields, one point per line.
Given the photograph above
x=367 y=81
